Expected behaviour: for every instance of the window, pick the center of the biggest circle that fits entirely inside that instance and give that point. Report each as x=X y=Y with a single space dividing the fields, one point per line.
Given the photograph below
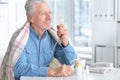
x=4 y=33
x=82 y=23
x=76 y=15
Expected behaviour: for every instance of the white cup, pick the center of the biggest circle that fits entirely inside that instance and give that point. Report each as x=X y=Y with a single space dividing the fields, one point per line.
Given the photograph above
x=79 y=66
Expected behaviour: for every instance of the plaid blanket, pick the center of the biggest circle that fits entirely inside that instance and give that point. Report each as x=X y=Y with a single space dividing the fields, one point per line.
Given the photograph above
x=15 y=48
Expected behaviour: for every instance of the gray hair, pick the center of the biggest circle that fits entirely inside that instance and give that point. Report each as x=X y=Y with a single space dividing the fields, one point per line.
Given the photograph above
x=30 y=5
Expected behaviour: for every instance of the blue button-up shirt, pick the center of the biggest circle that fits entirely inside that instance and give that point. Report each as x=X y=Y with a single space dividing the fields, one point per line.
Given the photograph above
x=38 y=53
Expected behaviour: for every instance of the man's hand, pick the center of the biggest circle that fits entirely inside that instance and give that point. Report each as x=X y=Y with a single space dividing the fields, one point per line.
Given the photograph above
x=62 y=34
x=63 y=70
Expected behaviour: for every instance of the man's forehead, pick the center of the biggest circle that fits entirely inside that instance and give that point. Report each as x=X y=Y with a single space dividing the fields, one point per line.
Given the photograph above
x=42 y=6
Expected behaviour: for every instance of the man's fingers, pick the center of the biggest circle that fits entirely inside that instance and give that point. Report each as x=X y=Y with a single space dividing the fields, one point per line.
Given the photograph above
x=60 y=26
x=67 y=70
x=61 y=32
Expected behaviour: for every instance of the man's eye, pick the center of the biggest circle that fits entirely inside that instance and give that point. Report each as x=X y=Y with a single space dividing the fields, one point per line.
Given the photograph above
x=50 y=12
x=42 y=13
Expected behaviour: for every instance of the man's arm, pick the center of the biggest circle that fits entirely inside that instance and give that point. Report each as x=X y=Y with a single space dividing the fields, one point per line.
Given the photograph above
x=65 y=53
x=23 y=68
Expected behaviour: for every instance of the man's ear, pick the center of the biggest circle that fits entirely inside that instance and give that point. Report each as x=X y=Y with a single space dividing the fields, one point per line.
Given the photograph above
x=30 y=18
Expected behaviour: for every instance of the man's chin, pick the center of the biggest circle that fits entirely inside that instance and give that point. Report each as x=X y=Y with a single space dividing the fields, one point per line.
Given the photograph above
x=44 y=28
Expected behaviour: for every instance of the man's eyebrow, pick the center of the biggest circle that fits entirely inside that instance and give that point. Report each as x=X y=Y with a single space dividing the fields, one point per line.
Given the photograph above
x=41 y=10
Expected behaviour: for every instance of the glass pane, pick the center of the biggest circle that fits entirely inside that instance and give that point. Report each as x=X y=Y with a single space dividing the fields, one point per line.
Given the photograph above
x=3 y=1
x=59 y=10
x=20 y=11
x=4 y=31
x=82 y=23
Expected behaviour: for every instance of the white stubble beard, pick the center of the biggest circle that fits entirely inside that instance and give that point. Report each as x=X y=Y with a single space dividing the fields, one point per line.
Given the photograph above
x=44 y=28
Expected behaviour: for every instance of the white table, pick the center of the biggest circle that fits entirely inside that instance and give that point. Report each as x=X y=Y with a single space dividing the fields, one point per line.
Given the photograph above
x=112 y=75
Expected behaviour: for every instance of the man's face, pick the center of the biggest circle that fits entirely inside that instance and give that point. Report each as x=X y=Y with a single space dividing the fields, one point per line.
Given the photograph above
x=41 y=18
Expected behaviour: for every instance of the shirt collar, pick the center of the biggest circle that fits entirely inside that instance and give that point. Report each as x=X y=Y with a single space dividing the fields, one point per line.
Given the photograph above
x=34 y=33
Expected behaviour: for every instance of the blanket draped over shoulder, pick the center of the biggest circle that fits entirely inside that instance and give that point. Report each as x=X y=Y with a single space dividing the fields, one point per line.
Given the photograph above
x=15 y=48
